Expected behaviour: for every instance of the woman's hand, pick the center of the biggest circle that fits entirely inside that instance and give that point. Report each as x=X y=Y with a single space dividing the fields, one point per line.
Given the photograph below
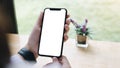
x=33 y=40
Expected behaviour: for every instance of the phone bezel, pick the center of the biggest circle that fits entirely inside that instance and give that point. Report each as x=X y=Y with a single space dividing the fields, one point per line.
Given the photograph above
x=54 y=9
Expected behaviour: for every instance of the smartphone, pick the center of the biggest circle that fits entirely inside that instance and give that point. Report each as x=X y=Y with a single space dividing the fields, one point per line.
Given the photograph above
x=52 y=32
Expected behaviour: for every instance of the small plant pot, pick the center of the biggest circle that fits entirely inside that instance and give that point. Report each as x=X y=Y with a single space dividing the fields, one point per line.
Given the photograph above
x=81 y=39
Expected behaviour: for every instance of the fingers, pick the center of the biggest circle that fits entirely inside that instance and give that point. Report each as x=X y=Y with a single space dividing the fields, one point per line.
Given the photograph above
x=66 y=29
x=68 y=16
x=65 y=37
x=67 y=21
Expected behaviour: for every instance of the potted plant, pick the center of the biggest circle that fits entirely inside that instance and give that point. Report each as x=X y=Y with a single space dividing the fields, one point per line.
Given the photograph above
x=82 y=31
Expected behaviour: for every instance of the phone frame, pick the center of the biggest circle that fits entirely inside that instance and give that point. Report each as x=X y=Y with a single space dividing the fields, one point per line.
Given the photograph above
x=57 y=9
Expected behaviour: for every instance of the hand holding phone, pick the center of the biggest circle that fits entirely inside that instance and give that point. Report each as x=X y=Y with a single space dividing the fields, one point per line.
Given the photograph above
x=52 y=32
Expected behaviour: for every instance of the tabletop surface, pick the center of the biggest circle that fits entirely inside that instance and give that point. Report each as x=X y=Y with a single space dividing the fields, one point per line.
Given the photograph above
x=99 y=54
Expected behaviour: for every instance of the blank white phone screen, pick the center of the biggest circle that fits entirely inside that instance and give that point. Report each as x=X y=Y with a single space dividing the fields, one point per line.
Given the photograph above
x=52 y=32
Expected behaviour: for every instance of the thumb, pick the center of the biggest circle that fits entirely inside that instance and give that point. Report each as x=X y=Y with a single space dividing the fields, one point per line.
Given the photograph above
x=64 y=60
x=40 y=19
x=55 y=59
